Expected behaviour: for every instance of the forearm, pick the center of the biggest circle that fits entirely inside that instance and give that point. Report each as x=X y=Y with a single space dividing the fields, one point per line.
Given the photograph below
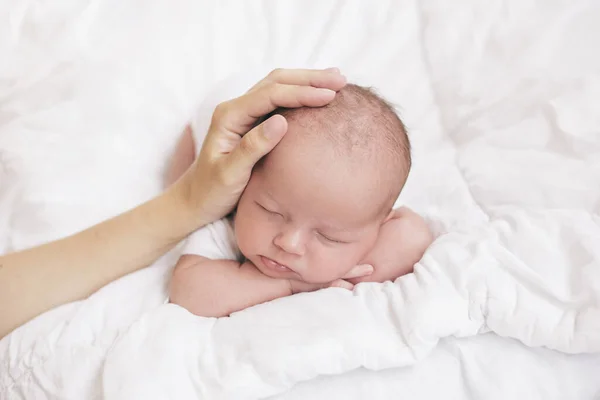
x=401 y=243
x=38 y=279
x=217 y=288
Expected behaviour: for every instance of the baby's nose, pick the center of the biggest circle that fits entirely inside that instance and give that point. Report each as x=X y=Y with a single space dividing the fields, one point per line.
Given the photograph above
x=291 y=241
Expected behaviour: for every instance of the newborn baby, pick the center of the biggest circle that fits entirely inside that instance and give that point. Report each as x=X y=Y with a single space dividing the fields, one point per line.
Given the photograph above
x=317 y=212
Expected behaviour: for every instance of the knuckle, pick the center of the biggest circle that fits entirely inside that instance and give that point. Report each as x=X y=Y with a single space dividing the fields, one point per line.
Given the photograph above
x=275 y=74
x=248 y=144
x=272 y=91
x=271 y=87
x=221 y=110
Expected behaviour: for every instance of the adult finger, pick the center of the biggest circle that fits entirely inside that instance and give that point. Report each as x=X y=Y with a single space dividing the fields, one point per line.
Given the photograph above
x=255 y=144
x=359 y=271
x=239 y=114
x=329 y=78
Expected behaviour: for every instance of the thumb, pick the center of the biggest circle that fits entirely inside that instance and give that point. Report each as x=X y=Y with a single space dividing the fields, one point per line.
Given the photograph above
x=340 y=283
x=256 y=144
x=359 y=271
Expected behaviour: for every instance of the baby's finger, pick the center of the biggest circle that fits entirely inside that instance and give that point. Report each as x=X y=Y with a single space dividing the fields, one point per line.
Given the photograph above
x=342 y=284
x=329 y=78
x=359 y=271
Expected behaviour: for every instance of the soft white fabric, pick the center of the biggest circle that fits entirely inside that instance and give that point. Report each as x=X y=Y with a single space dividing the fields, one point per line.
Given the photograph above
x=501 y=101
x=215 y=241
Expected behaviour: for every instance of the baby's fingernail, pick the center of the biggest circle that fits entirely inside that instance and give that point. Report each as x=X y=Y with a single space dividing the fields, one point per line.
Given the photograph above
x=333 y=69
x=344 y=285
x=366 y=268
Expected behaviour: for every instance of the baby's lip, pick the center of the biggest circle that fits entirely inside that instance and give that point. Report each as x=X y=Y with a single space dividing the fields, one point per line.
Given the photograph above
x=275 y=265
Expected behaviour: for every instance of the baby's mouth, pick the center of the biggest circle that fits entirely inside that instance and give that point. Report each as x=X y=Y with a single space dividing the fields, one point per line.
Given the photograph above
x=274 y=265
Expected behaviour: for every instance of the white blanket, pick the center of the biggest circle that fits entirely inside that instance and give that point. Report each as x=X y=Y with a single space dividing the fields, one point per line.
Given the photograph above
x=501 y=100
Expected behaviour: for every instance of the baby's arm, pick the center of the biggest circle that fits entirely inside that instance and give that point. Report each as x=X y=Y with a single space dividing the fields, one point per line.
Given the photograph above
x=401 y=243
x=217 y=288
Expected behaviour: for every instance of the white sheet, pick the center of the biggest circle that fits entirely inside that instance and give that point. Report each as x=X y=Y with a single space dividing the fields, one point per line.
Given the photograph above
x=501 y=100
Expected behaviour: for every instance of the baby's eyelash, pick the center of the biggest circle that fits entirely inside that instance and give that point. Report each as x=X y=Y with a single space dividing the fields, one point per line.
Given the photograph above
x=267 y=210
x=331 y=240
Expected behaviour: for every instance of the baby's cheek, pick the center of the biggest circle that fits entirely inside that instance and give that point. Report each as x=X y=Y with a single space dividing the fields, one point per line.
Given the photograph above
x=244 y=238
x=243 y=245
x=336 y=266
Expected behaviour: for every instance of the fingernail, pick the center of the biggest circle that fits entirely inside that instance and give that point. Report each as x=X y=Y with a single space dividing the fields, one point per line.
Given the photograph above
x=343 y=285
x=333 y=69
x=328 y=92
x=270 y=128
x=366 y=268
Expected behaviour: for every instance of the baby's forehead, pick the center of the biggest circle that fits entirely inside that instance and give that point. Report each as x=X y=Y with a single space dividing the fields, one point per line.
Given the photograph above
x=312 y=146
x=357 y=135
x=303 y=176
x=320 y=145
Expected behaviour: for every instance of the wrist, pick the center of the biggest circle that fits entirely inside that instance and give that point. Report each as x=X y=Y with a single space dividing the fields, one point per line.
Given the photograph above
x=290 y=286
x=187 y=215
x=296 y=286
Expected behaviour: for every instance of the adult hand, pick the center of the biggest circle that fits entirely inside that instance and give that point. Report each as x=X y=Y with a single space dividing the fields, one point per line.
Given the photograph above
x=35 y=280
x=214 y=183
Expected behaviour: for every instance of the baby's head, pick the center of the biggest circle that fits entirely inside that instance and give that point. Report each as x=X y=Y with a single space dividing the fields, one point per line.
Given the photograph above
x=313 y=207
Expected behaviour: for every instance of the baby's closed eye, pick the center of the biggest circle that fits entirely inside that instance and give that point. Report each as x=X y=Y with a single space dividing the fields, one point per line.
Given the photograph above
x=268 y=210
x=331 y=239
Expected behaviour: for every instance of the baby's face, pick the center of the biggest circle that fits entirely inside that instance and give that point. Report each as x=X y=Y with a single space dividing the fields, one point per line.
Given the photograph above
x=307 y=218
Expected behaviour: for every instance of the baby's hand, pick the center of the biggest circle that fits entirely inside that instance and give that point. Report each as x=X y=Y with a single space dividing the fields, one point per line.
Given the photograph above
x=360 y=271
x=401 y=243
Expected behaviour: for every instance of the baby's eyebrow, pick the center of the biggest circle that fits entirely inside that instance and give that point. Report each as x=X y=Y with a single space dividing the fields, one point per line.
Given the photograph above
x=269 y=194
x=338 y=229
